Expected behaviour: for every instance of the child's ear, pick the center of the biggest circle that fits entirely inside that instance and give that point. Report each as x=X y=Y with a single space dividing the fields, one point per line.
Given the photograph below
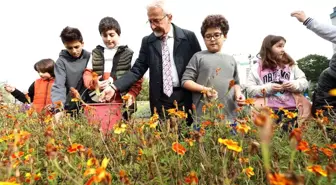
x=225 y=36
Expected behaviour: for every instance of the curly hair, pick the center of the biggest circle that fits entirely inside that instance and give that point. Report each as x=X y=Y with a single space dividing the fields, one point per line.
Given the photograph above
x=269 y=61
x=215 y=21
x=70 y=34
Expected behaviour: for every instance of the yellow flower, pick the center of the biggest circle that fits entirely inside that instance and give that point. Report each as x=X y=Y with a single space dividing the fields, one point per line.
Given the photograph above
x=91 y=162
x=248 y=171
x=120 y=129
x=332 y=92
x=317 y=169
x=243 y=128
x=74 y=99
x=230 y=144
x=99 y=174
x=153 y=124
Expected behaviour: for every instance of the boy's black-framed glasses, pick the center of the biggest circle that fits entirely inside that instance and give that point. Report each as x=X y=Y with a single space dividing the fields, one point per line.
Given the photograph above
x=215 y=36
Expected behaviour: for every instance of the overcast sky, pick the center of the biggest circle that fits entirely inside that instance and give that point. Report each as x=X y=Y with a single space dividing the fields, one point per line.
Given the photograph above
x=30 y=29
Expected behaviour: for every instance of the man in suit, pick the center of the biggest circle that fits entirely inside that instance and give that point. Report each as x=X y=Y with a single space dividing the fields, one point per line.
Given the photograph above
x=166 y=52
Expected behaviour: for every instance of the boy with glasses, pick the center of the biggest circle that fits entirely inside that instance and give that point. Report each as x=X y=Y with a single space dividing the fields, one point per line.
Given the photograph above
x=211 y=71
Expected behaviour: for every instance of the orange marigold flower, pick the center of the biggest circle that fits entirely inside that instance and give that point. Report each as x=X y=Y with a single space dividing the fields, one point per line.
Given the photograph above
x=94 y=76
x=126 y=97
x=290 y=115
x=181 y=114
x=332 y=146
x=325 y=120
x=100 y=174
x=244 y=160
x=319 y=112
x=328 y=106
x=327 y=152
x=220 y=116
x=172 y=111
x=52 y=176
x=297 y=134
x=231 y=84
x=279 y=179
x=230 y=144
x=92 y=162
x=58 y=104
x=220 y=105
x=76 y=147
x=317 y=169
x=17 y=155
x=189 y=141
x=243 y=128
x=203 y=108
x=248 y=171
x=191 y=178
x=249 y=101
x=303 y=146
x=206 y=123
x=178 y=148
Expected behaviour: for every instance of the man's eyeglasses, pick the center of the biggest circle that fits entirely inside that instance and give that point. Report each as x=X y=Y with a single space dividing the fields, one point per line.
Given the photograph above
x=215 y=36
x=156 y=21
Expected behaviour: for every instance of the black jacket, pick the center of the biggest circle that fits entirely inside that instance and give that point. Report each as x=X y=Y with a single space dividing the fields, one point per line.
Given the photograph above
x=326 y=82
x=150 y=57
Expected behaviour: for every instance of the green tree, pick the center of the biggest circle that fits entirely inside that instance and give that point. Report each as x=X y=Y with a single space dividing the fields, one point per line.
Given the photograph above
x=144 y=94
x=312 y=66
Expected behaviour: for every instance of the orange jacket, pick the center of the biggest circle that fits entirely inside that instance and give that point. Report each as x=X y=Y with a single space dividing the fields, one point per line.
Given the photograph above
x=42 y=94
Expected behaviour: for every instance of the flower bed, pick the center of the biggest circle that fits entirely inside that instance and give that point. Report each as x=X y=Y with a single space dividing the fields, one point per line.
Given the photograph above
x=35 y=150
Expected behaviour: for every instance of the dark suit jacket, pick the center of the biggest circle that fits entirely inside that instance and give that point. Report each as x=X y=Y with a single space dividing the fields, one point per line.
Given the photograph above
x=150 y=56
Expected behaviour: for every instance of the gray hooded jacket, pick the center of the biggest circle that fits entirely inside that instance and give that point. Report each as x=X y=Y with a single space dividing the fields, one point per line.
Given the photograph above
x=68 y=73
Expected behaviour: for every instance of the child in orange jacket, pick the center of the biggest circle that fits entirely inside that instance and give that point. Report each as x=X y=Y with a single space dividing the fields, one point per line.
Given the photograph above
x=39 y=90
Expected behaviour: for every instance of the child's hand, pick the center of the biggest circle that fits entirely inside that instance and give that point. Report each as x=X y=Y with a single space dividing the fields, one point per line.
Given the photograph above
x=300 y=15
x=212 y=94
x=103 y=84
x=277 y=87
x=9 y=88
x=240 y=98
x=289 y=86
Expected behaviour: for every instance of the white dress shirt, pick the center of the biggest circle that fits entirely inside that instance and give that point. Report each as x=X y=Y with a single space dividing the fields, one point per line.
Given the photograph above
x=170 y=43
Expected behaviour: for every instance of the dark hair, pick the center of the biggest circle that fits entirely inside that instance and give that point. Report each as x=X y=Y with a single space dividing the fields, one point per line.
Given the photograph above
x=215 y=21
x=45 y=66
x=269 y=61
x=70 y=34
x=109 y=23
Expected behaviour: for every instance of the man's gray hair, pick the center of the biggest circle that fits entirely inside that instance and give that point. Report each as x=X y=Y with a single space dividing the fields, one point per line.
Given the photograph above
x=163 y=4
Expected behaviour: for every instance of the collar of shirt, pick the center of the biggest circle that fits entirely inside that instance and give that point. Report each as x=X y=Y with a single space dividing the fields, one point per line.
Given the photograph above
x=171 y=32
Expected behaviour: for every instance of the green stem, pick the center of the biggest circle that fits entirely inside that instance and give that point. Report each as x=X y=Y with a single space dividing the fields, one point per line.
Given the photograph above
x=292 y=160
x=265 y=155
x=157 y=168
